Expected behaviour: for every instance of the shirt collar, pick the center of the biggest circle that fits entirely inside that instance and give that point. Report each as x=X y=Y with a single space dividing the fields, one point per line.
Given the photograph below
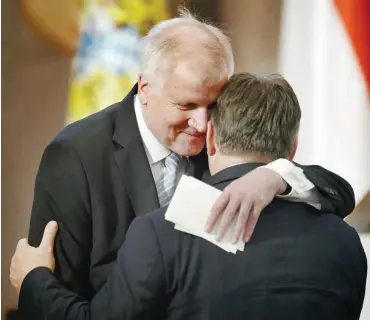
x=232 y=172
x=154 y=149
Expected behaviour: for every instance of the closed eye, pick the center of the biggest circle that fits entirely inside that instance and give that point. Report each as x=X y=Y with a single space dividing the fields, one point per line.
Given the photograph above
x=191 y=106
x=188 y=106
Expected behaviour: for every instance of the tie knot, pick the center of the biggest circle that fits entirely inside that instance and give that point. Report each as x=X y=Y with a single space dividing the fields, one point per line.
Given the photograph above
x=173 y=161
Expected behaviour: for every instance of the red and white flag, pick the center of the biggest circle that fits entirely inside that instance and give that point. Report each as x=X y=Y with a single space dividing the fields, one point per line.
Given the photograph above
x=325 y=55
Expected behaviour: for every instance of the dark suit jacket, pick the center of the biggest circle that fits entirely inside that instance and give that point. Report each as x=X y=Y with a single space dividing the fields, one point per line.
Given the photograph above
x=94 y=179
x=299 y=264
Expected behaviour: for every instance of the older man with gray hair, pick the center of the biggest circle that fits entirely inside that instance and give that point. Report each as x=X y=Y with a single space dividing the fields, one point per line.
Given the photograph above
x=99 y=173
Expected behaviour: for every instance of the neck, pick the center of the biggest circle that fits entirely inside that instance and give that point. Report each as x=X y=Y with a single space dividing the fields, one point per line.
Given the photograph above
x=221 y=162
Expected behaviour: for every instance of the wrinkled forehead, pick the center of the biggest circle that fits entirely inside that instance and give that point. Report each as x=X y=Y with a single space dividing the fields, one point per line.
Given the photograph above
x=196 y=83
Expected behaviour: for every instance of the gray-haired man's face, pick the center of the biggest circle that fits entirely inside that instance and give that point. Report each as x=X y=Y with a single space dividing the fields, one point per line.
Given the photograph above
x=177 y=112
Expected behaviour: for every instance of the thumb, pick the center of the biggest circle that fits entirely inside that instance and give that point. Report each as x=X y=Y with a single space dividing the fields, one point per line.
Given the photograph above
x=50 y=232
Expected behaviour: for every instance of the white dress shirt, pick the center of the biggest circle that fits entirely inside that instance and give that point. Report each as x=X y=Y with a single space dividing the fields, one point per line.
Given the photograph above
x=155 y=151
x=302 y=189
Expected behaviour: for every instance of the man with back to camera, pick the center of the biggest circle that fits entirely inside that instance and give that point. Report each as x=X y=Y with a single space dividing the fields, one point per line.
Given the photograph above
x=298 y=264
x=100 y=173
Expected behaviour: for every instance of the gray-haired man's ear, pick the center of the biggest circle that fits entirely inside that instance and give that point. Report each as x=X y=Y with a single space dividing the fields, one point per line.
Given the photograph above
x=142 y=90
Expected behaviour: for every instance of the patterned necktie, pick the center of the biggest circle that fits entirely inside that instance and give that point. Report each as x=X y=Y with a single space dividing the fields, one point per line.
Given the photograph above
x=167 y=186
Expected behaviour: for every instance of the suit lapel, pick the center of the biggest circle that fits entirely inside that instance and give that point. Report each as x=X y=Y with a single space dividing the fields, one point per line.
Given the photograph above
x=198 y=165
x=131 y=159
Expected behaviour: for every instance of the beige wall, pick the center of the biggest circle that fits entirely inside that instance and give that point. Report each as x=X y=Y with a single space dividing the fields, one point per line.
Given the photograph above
x=254 y=27
x=34 y=86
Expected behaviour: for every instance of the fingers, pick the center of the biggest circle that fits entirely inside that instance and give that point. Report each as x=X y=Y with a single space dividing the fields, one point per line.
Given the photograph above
x=11 y=273
x=22 y=242
x=241 y=221
x=228 y=215
x=251 y=222
x=216 y=211
x=48 y=239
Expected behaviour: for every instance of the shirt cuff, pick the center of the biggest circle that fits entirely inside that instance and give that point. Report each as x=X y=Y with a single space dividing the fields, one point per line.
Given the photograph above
x=292 y=174
x=302 y=190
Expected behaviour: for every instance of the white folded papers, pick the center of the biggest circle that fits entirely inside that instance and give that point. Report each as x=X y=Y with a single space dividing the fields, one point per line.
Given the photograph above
x=190 y=208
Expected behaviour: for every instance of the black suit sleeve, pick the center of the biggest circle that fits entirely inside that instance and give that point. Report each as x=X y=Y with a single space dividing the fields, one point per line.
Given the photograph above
x=335 y=193
x=61 y=194
x=136 y=288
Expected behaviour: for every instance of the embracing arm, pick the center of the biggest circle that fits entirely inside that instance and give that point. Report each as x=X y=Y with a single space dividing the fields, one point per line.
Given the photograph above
x=136 y=288
x=245 y=198
x=61 y=194
x=317 y=186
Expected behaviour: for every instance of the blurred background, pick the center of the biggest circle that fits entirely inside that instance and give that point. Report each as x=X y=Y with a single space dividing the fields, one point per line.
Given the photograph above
x=65 y=59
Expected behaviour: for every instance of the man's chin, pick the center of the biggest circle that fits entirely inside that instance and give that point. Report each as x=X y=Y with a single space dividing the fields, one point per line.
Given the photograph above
x=192 y=149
